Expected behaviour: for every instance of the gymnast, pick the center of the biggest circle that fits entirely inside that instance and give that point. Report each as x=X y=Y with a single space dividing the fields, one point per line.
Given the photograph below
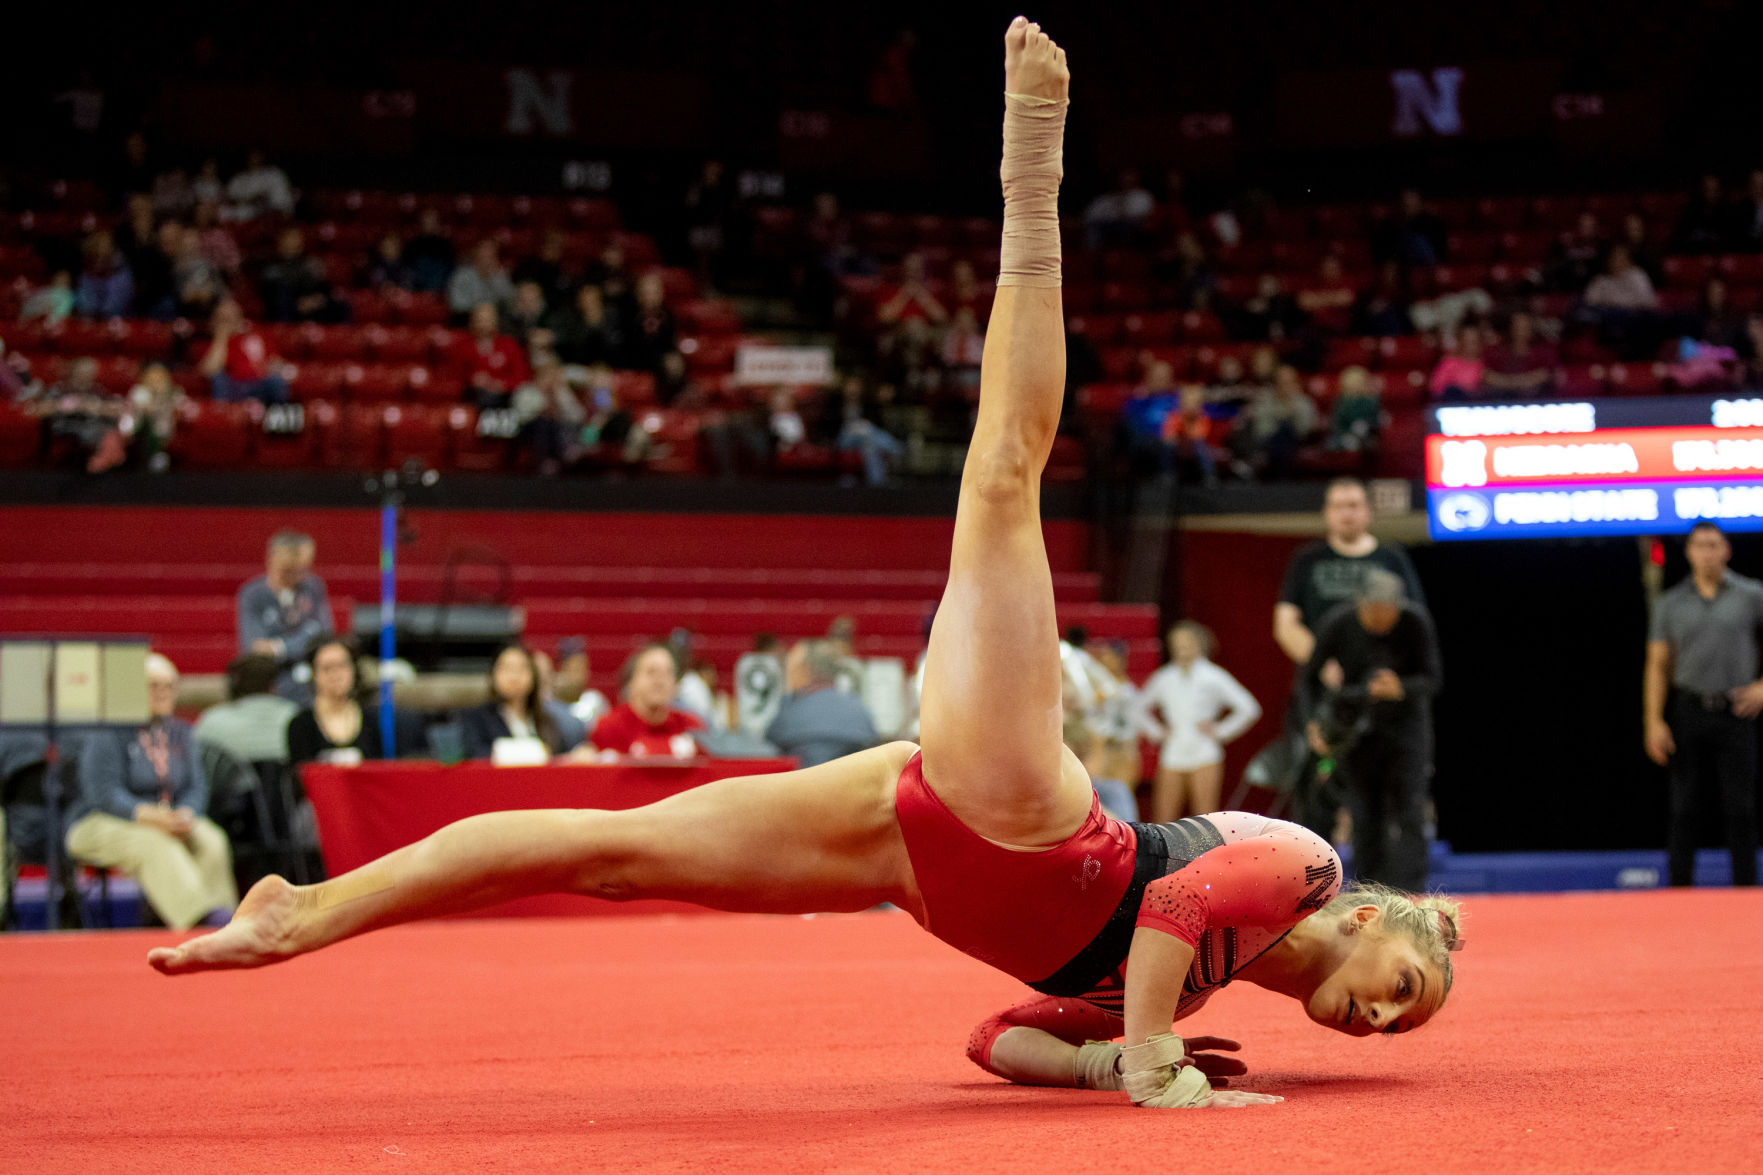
x=987 y=832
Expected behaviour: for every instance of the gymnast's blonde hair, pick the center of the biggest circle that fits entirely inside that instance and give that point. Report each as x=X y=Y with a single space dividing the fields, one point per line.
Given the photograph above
x=1430 y=921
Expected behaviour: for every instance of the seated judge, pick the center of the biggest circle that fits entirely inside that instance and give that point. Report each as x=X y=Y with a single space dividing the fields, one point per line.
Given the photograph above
x=515 y=709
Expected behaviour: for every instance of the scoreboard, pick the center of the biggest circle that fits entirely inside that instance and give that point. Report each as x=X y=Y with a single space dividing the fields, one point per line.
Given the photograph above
x=1603 y=467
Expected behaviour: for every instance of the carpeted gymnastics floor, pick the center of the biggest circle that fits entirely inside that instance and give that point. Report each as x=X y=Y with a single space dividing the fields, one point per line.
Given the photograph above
x=1587 y=1033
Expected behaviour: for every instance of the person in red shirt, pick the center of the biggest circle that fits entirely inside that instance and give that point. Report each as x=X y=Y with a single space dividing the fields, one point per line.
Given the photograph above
x=646 y=723
x=239 y=364
x=492 y=362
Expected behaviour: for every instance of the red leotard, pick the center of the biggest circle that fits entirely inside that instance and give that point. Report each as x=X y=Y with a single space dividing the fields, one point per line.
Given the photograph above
x=1025 y=913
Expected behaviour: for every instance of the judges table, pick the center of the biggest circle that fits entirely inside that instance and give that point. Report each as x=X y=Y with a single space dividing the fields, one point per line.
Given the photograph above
x=367 y=811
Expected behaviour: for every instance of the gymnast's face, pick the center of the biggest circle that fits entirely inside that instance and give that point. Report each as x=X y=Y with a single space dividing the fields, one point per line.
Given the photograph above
x=1381 y=984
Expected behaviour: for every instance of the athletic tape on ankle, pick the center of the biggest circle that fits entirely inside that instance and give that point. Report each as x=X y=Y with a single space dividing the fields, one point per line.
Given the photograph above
x=1034 y=163
x=359 y=884
x=1097 y=1065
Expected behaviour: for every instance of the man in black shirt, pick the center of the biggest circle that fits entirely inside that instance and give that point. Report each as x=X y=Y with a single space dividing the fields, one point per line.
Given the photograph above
x=1371 y=677
x=1322 y=576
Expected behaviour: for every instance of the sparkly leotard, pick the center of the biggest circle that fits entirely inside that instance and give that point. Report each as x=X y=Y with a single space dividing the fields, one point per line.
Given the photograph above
x=1230 y=884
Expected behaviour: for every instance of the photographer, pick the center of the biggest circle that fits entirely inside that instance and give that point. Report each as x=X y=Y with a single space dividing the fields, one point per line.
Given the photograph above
x=1371 y=680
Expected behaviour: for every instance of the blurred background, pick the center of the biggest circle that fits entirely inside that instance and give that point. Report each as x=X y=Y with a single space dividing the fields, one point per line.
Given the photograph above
x=669 y=316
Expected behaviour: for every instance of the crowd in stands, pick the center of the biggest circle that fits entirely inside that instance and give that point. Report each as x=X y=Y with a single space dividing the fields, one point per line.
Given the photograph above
x=1207 y=339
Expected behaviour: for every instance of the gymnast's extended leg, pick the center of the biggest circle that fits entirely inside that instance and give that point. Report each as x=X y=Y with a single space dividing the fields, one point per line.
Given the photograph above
x=991 y=710
x=821 y=839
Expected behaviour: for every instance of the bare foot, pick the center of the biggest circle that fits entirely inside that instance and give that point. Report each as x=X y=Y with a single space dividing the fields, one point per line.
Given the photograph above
x=258 y=935
x=1033 y=64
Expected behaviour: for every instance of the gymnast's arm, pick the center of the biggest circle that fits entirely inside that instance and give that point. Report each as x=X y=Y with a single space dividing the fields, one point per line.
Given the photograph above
x=1066 y=1043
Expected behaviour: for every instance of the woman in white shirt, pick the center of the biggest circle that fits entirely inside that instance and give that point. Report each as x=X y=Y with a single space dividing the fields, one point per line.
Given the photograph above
x=1201 y=708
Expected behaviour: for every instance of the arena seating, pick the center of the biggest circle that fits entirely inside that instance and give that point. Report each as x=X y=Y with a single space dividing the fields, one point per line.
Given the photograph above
x=377 y=385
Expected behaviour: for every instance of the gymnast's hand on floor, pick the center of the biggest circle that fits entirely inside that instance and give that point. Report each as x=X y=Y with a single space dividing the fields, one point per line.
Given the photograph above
x=1157 y=1075
x=1218 y=1070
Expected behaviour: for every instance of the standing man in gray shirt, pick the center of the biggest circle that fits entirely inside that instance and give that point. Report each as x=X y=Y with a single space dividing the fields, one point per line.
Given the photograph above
x=818 y=722
x=284 y=610
x=1700 y=693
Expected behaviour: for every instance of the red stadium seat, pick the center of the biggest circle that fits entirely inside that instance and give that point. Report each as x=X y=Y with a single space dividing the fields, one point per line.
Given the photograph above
x=353 y=436
x=417 y=432
x=1403 y=351
x=317 y=381
x=286 y=436
x=212 y=436
x=1688 y=271
x=1152 y=326
x=1637 y=379
x=401 y=344
x=484 y=442
x=19 y=436
x=634 y=389
x=381 y=383
x=432 y=386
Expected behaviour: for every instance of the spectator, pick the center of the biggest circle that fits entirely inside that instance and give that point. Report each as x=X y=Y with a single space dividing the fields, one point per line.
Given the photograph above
x=964 y=345
x=514 y=709
x=911 y=299
x=481 y=280
x=1328 y=301
x=239 y=364
x=1116 y=796
x=587 y=705
x=1623 y=286
x=759 y=685
x=294 y=287
x=197 y=286
x=817 y=722
x=1193 y=708
x=787 y=429
x=546 y=270
x=608 y=422
x=1458 y=373
x=1701 y=697
x=1578 y=255
x=262 y=189
x=172 y=194
x=252 y=724
x=1411 y=237
x=1706 y=224
x=1640 y=249
x=134 y=171
x=207 y=186
x=586 y=332
x=523 y=319
x=614 y=280
x=336 y=727
x=107 y=286
x=53 y=303
x=285 y=611
x=1189 y=273
x=572 y=732
x=1268 y=314
x=1321 y=576
x=219 y=245
x=1187 y=434
x=965 y=293
x=645 y=722
x=492 y=363
x=138 y=238
x=1116 y=219
x=151 y=261
x=389 y=269
x=1446 y=313
x=142 y=808
x=1383 y=307
x=707 y=207
x=1280 y=421
x=860 y=430
x=1718 y=322
x=549 y=415
x=651 y=333
x=84 y=411
x=429 y=254
x=1374 y=672
x=1139 y=432
x=1357 y=416
x=1522 y=366
x=156 y=403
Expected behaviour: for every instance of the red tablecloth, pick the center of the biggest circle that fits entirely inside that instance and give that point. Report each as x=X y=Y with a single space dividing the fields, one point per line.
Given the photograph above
x=367 y=811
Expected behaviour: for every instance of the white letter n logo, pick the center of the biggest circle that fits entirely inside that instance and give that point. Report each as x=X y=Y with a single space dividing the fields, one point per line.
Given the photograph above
x=1436 y=103
x=526 y=97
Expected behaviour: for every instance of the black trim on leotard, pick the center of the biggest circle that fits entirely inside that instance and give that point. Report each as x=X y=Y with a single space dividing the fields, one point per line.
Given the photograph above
x=1162 y=849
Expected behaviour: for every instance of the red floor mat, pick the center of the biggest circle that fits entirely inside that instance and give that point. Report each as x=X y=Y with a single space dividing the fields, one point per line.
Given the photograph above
x=1586 y=1034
